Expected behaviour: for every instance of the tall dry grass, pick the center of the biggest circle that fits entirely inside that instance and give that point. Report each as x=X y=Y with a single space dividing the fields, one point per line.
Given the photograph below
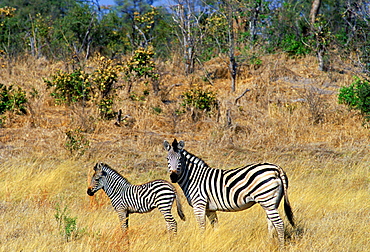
x=327 y=162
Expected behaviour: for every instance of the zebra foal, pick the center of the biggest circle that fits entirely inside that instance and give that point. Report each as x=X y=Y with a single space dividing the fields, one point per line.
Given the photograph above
x=127 y=198
x=209 y=190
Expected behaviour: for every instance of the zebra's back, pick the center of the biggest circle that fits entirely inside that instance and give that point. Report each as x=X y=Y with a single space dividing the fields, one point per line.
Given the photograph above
x=240 y=188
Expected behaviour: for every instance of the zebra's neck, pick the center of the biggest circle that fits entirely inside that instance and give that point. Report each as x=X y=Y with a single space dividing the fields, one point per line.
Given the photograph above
x=114 y=182
x=194 y=161
x=192 y=165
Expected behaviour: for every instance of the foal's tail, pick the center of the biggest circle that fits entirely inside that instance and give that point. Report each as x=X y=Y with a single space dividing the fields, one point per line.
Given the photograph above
x=287 y=207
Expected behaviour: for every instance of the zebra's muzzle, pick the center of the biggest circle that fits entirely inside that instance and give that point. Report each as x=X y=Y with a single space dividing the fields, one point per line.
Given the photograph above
x=90 y=192
x=174 y=177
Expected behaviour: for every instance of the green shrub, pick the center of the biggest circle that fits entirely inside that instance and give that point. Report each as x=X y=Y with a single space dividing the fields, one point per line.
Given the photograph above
x=78 y=86
x=106 y=108
x=69 y=87
x=76 y=143
x=356 y=96
x=295 y=46
x=201 y=99
x=67 y=225
x=12 y=100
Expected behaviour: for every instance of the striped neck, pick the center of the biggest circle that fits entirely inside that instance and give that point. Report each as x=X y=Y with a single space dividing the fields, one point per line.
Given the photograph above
x=193 y=161
x=191 y=165
x=113 y=181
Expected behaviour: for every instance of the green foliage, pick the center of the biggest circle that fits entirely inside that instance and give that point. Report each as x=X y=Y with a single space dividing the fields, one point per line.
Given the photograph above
x=79 y=86
x=356 y=96
x=76 y=143
x=8 y=22
x=67 y=225
x=102 y=81
x=111 y=35
x=216 y=40
x=144 y=24
x=200 y=99
x=255 y=61
x=157 y=110
x=141 y=68
x=141 y=64
x=106 y=108
x=12 y=100
x=75 y=29
x=69 y=87
x=294 y=45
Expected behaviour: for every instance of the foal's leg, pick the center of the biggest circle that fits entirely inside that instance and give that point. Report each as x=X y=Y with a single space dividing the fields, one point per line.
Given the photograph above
x=165 y=209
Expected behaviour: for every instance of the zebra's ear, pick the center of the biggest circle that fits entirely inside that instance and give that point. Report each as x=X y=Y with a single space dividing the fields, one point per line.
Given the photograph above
x=181 y=145
x=96 y=166
x=166 y=145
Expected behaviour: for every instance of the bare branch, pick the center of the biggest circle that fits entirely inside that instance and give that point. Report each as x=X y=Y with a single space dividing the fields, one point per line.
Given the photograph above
x=240 y=96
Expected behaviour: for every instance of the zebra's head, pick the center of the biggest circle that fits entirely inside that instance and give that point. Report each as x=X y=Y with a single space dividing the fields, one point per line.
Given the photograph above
x=175 y=158
x=97 y=180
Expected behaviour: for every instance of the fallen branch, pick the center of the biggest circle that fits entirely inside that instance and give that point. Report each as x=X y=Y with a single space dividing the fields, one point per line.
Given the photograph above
x=240 y=96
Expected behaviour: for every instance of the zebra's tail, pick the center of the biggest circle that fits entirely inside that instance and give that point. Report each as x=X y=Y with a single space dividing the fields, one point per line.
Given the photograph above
x=179 y=208
x=287 y=207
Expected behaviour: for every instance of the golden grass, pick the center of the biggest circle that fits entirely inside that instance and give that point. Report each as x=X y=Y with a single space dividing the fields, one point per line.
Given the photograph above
x=330 y=205
x=327 y=165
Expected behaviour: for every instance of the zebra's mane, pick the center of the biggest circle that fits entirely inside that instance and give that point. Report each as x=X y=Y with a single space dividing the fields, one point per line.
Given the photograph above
x=113 y=171
x=193 y=157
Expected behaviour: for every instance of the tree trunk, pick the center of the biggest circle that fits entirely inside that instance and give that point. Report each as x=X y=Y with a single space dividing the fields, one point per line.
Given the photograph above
x=314 y=10
x=320 y=47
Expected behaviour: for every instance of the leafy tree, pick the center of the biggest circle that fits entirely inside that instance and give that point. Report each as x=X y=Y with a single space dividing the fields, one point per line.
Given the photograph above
x=288 y=29
x=21 y=34
x=129 y=10
x=188 y=16
x=77 y=29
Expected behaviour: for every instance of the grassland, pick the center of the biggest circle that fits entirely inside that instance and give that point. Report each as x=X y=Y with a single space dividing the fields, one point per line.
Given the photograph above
x=327 y=161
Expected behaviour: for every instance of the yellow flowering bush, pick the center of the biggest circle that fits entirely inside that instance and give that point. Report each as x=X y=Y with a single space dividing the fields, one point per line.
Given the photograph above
x=141 y=64
x=7 y=12
x=69 y=87
x=145 y=21
x=200 y=98
x=78 y=86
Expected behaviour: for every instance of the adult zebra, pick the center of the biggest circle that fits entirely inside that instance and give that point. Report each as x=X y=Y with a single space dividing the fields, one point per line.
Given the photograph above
x=209 y=190
x=127 y=198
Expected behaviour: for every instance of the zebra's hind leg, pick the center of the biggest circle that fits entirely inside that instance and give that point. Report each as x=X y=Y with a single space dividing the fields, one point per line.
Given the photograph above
x=274 y=221
x=212 y=217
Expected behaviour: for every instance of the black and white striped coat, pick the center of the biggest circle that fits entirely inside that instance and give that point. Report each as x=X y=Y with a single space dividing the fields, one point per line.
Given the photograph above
x=127 y=198
x=209 y=190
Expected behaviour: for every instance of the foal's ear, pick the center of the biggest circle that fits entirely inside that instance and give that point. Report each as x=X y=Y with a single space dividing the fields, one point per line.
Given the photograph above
x=98 y=166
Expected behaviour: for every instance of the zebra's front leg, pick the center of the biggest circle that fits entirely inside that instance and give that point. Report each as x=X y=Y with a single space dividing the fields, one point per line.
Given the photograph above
x=200 y=215
x=212 y=217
